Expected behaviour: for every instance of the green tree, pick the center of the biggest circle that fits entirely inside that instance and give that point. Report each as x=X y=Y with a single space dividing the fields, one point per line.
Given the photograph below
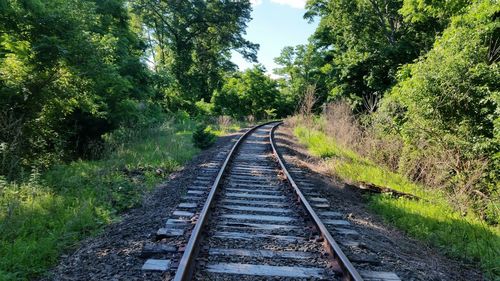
x=364 y=43
x=300 y=67
x=251 y=92
x=70 y=71
x=449 y=100
x=435 y=12
x=192 y=40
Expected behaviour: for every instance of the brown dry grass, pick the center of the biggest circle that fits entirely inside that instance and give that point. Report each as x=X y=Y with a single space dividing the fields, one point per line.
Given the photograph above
x=434 y=165
x=305 y=114
x=343 y=126
x=224 y=121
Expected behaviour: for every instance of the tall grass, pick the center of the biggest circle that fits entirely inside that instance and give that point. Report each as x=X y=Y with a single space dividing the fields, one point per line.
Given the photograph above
x=440 y=165
x=433 y=219
x=51 y=212
x=225 y=124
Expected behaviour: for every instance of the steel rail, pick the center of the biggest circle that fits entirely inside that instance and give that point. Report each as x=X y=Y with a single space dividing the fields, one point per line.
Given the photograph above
x=349 y=272
x=186 y=264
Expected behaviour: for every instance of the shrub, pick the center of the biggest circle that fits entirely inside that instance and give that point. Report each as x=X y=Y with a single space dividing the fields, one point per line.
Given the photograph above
x=203 y=108
x=437 y=165
x=435 y=218
x=445 y=109
x=203 y=137
x=250 y=92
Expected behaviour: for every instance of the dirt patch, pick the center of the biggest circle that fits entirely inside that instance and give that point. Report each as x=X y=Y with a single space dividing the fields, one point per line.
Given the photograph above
x=409 y=258
x=115 y=254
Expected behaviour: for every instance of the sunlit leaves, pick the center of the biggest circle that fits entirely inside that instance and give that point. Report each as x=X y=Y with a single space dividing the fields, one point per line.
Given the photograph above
x=65 y=56
x=251 y=92
x=192 y=40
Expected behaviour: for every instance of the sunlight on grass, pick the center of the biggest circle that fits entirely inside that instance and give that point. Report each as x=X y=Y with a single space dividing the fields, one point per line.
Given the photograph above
x=352 y=167
x=464 y=237
x=432 y=219
x=38 y=224
x=52 y=212
x=235 y=126
x=321 y=146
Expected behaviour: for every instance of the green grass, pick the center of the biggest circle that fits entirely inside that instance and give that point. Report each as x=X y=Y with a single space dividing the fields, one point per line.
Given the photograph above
x=50 y=213
x=321 y=146
x=433 y=219
x=235 y=126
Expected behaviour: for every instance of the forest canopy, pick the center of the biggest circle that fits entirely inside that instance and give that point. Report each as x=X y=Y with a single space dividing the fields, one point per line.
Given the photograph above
x=420 y=75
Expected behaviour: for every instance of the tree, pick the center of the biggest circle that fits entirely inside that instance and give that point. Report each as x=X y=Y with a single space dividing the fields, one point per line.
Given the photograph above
x=436 y=12
x=364 y=43
x=449 y=100
x=193 y=39
x=70 y=71
x=301 y=67
x=251 y=92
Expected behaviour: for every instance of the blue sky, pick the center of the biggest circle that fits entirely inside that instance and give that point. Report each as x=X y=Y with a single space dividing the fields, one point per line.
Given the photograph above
x=275 y=24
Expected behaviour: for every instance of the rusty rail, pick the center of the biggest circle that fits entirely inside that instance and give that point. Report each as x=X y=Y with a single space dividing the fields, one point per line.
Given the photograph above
x=186 y=264
x=349 y=272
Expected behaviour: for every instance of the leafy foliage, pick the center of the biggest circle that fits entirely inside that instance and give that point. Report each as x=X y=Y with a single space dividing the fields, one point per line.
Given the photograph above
x=191 y=40
x=78 y=77
x=422 y=78
x=251 y=92
x=364 y=42
x=421 y=74
x=449 y=100
x=359 y=45
x=203 y=137
x=71 y=71
x=302 y=67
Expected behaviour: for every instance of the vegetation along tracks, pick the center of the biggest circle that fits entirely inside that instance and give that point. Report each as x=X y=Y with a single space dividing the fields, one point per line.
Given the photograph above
x=257 y=224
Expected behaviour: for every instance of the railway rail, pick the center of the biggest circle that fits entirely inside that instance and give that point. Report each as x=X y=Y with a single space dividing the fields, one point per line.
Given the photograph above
x=257 y=224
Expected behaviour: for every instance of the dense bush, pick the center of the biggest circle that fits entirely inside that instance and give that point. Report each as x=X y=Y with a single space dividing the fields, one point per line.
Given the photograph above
x=423 y=83
x=251 y=92
x=74 y=70
x=419 y=86
x=445 y=108
x=70 y=71
x=203 y=137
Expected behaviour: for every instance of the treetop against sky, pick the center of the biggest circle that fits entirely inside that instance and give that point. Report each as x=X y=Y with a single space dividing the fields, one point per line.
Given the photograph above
x=274 y=25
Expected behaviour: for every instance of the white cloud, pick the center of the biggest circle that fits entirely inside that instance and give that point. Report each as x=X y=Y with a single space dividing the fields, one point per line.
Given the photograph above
x=298 y=4
x=256 y=2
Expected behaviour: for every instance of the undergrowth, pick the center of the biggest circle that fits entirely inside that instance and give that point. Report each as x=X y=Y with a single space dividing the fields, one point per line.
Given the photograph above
x=203 y=136
x=432 y=219
x=226 y=125
x=51 y=212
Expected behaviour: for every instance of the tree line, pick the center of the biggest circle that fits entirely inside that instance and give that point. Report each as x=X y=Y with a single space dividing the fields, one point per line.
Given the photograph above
x=422 y=73
x=74 y=70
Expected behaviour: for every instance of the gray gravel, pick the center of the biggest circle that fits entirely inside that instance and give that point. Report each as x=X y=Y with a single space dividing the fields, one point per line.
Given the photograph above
x=117 y=253
x=390 y=248
x=255 y=153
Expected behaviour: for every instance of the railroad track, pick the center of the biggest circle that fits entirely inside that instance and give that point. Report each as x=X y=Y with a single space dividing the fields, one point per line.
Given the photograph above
x=255 y=223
